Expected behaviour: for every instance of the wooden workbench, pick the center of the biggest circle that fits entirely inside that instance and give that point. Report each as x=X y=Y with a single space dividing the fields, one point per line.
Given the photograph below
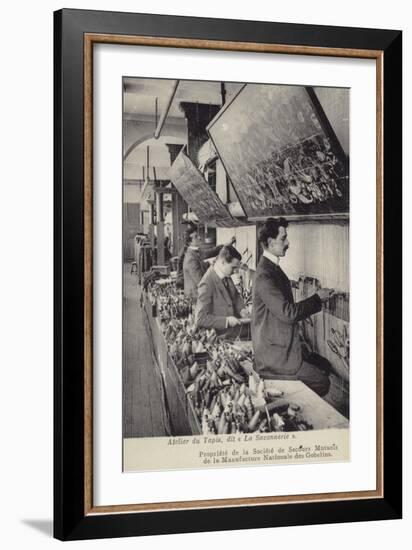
x=317 y=412
x=314 y=409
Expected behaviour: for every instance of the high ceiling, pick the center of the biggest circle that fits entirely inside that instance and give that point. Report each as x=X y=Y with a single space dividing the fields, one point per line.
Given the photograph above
x=139 y=104
x=159 y=158
x=140 y=95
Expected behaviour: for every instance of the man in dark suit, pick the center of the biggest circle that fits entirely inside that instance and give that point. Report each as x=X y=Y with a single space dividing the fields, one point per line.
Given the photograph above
x=219 y=305
x=277 y=346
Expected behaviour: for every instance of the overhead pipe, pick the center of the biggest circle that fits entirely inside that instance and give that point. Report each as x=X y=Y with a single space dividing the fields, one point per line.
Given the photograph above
x=147 y=162
x=166 y=110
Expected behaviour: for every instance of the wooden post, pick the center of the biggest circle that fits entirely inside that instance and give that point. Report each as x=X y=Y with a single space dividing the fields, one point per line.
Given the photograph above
x=198 y=116
x=160 y=229
x=159 y=207
x=179 y=206
x=151 y=225
x=160 y=243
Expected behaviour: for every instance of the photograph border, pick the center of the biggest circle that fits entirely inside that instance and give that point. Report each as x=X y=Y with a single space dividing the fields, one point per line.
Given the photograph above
x=76 y=32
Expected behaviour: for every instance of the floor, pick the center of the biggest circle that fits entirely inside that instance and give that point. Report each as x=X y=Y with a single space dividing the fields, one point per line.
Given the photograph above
x=143 y=403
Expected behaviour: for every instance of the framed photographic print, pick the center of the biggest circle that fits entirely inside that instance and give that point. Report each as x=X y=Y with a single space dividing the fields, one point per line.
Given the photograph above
x=227 y=274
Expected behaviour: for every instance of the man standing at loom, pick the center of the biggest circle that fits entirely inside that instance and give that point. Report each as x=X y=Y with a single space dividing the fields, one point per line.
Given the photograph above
x=279 y=353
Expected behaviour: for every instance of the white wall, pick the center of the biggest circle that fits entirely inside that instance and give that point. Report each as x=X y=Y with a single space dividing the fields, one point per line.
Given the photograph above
x=321 y=251
x=245 y=241
x=316 y=250
x=26 y=274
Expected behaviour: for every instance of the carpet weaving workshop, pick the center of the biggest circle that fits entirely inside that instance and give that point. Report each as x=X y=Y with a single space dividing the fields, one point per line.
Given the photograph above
x=235 y=258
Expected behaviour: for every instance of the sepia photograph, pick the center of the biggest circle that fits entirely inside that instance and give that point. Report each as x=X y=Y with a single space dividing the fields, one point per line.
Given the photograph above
x=227 y=317
x=236 y=271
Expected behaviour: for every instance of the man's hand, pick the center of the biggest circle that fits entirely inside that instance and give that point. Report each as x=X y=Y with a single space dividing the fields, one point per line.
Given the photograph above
x=325 y=293
x=245 y=313
x=232 y=321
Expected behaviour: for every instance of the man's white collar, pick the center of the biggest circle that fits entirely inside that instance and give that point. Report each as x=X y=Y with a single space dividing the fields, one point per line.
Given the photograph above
x=271 y=257
x=218 y=272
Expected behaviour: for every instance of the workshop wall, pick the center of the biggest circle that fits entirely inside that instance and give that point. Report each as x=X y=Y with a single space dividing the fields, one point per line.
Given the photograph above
x=319 y=250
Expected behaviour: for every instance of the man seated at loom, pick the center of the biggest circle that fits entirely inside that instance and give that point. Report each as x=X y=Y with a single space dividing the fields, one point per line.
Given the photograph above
x=219 y=305
x=278 y=350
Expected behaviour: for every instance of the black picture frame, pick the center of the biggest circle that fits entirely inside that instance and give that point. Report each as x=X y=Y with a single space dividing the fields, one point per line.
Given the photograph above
x=71 y=519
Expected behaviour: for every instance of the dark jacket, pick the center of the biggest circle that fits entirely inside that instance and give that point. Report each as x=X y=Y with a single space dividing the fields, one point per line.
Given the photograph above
x=276 y=343
x=194 y=267
x=215 y=303
x=180 y=260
